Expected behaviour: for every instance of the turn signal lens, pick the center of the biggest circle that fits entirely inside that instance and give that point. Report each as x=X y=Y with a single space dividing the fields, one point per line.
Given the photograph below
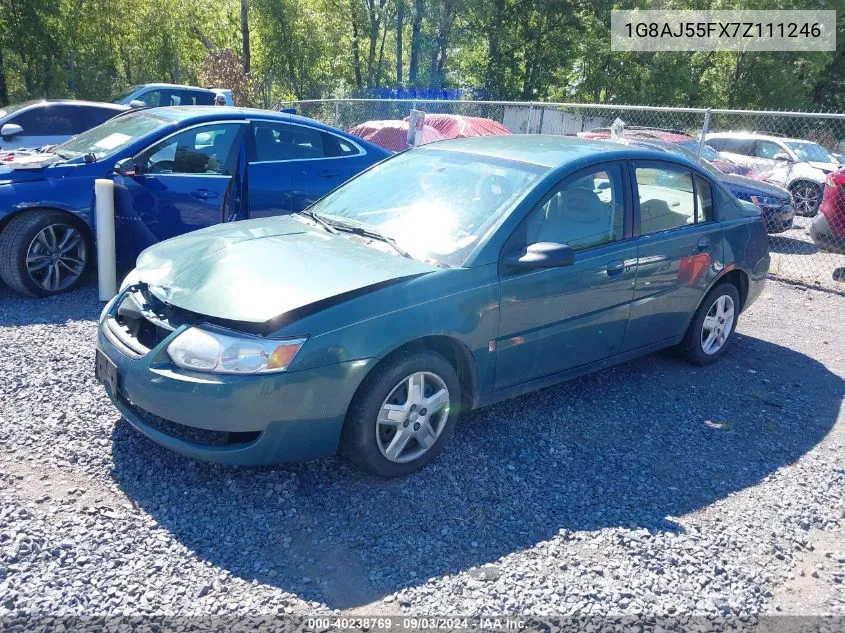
x=283 y=356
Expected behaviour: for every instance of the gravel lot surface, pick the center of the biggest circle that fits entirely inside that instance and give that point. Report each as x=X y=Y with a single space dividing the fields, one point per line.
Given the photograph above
x=796 y=258
x=651 y=488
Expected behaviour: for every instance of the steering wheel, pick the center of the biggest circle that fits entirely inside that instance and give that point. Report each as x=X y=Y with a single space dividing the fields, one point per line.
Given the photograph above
x=161 y=167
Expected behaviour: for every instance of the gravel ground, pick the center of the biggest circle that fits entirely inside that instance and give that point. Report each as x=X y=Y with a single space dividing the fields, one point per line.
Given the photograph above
x=651 y=488
x=796 y=258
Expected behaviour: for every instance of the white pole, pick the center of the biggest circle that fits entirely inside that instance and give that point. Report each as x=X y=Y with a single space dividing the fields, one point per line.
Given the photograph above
x=106 y=268
x=416 y=121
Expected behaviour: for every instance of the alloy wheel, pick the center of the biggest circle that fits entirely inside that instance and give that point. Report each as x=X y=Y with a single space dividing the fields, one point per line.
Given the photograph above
x=717 y=325
x=55 y=259
x=806 y=198
x=412 y=417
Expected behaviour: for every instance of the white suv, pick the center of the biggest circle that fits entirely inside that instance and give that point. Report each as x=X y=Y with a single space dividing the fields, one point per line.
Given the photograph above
x=798 y=165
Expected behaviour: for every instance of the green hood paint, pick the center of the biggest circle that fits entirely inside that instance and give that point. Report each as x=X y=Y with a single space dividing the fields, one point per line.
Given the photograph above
x=255 y=270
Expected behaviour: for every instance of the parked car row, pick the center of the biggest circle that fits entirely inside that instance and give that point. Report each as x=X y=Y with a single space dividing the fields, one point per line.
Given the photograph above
x=395 y=292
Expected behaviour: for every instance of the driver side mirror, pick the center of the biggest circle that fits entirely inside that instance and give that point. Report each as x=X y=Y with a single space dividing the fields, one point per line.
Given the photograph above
x=11 y=130
x=126 y=167
x=137 y=103
x=781 y=157
x=540 y=255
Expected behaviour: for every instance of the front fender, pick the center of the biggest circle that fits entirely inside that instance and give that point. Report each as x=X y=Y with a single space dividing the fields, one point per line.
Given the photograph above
x=71 y=195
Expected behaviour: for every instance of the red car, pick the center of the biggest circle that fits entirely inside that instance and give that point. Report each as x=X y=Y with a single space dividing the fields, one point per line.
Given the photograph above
x=676 y=137
x=828 y=227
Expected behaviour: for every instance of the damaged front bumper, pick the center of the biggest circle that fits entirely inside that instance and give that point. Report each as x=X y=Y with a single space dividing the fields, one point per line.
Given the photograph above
x=232 y=419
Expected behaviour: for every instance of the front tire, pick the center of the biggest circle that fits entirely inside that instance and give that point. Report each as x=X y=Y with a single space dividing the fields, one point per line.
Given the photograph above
x=806 y=197
x=402 y=415
x=43 y=253
x=713 y=325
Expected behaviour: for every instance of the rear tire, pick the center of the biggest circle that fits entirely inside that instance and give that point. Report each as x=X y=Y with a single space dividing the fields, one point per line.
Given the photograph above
x=403 y=414
x=713 y=325
x=44 y=253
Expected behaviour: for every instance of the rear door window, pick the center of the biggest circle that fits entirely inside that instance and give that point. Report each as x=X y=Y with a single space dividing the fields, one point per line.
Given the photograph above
x=277 y=141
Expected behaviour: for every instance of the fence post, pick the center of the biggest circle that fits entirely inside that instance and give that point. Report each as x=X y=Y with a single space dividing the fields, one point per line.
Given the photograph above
x=530 y=116
x=337 y=113
x=704 y=130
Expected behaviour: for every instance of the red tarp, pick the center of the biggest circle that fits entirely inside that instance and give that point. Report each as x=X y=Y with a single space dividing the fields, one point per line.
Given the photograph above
x=392 y=135
x=459 y=126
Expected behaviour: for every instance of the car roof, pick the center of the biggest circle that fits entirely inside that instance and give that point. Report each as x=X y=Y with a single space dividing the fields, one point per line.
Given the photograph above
x=757 y=135
x=202 y=114
x=181 y=86
x=548 y=150
x=72 y=102
x=211 y=113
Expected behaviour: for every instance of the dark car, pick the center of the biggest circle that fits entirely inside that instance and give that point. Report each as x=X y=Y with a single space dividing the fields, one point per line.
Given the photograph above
x=448 y=277
x=38 y=123
x=774 y=202
x=175 y=170
x=163 y=95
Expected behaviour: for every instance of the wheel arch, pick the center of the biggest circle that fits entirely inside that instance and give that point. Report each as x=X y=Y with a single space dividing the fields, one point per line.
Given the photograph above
x=737 y=277
x=88 y=232
x=454 y=351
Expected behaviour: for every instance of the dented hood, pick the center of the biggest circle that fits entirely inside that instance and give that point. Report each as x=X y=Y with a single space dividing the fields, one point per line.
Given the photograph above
x=256 y=270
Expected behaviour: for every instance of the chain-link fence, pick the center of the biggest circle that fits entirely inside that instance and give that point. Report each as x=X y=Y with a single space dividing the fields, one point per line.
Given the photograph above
x=785 y=162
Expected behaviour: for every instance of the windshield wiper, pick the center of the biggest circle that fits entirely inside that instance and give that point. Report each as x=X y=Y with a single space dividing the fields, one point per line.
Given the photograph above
x=372 y=234
x=319 y=220
x=334 y=226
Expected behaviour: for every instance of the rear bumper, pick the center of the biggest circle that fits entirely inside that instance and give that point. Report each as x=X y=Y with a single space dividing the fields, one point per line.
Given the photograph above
x=247 y=420
x=824 y=236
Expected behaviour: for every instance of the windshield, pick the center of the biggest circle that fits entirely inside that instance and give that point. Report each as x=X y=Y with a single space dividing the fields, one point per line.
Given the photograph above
x=122 y=95
x=811 y=152
x=435 y=204
x=112 y=136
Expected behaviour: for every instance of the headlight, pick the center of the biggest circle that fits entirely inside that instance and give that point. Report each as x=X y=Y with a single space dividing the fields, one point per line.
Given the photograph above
x=205 y=349
x=767 y=201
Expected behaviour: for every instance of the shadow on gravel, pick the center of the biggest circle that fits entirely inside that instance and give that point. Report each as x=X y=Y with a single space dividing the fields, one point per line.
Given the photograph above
x=78 y=305
x=791 y=246
x=630 y=447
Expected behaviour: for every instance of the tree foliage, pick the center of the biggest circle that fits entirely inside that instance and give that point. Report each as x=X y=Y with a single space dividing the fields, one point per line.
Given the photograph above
x=497 y=49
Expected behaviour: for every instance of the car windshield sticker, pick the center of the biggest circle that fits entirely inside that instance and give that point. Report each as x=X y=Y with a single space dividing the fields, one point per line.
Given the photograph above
x=112 y=141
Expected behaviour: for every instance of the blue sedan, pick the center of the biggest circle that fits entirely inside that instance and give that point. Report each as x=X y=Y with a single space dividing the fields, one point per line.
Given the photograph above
x=175 y=170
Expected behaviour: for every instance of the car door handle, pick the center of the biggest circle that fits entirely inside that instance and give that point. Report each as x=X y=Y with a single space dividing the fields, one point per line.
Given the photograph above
x=704 y=244
x=204 y=194
x=328 y=173
x=615 y=267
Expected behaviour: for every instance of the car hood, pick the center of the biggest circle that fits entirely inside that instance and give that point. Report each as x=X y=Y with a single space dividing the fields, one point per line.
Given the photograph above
x=8 y=175
x=255 y=270
x=825 y=167
x=763 y=188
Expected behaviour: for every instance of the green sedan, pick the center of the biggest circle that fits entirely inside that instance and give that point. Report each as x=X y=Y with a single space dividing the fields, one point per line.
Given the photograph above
x=443 y=279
